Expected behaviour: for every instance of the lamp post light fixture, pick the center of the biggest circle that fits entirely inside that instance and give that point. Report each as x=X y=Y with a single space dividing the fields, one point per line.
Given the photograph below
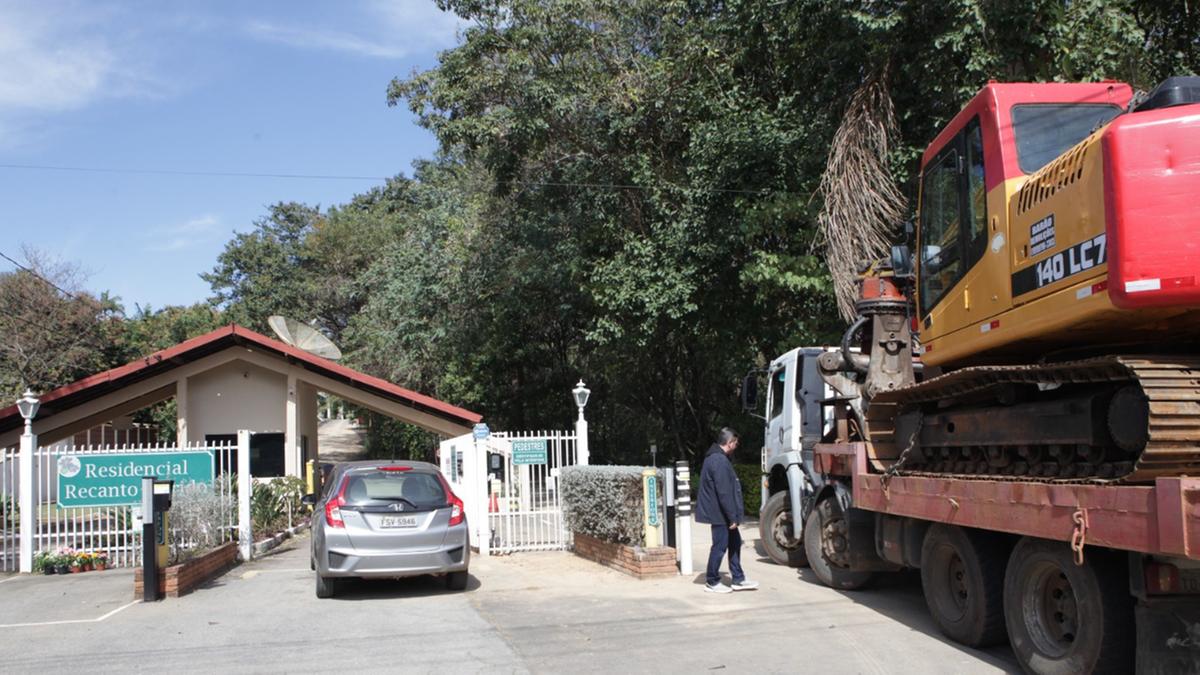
x=28 y=406
x=580 y=394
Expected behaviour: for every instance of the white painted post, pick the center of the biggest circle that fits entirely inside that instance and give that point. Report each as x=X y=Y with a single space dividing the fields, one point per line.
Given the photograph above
x=291 y=431
x=683 y=509
x=581 y=440
x=181 y=411
x=28 y=499
x=245 y=533
x=478 y=518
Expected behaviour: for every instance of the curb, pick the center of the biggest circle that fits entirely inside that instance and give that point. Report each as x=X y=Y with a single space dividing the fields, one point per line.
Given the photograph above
x=261 y=547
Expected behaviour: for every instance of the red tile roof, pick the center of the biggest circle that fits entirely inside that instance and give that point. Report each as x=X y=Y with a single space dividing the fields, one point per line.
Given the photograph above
x=99 y=384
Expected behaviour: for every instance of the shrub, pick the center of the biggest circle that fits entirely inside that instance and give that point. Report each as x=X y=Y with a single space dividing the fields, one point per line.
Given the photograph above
x=605 y=502
x=12 y=511
x=197 y=515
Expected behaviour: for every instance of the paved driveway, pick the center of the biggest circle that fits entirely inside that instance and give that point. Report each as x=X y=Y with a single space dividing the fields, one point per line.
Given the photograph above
x=535 y=612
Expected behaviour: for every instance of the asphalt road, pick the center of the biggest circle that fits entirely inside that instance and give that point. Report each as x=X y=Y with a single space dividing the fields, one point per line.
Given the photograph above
x=533 y=612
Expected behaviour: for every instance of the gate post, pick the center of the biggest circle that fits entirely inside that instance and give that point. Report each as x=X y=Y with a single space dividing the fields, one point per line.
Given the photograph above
x=28 y=500
x=28 y=406
x=475 y=479
x=245 y=533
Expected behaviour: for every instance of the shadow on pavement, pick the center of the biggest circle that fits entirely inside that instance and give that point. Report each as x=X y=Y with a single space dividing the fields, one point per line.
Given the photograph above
x=392 y=589
x=898 y=596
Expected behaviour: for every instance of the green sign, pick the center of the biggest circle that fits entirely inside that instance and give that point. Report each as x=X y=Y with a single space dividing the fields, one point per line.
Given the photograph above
x=116 y=479
x=529 y=452
x=652 y=499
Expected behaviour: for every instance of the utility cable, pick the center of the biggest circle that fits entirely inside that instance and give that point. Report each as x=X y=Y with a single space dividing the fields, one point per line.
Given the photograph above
x=43 y=279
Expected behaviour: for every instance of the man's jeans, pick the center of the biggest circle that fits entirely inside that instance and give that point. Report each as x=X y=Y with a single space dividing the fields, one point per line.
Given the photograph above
x=724 y=539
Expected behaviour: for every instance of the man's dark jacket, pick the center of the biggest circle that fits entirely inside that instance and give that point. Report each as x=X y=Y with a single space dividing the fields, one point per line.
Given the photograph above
x=720 y=499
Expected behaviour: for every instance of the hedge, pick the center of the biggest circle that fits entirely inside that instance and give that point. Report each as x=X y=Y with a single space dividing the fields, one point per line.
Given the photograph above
x=605 y=502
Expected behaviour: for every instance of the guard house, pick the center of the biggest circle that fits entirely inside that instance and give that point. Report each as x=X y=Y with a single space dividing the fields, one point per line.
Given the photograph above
x=230 y=379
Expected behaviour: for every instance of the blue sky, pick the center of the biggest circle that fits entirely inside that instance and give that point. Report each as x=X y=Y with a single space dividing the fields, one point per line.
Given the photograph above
x=250 y=87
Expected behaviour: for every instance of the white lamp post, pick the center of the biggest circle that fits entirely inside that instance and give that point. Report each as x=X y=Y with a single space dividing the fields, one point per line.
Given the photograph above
x=580 y=394
x=28 y=406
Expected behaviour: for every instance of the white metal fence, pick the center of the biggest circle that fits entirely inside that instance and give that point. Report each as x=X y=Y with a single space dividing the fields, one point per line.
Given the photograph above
x=109 y=529
x=525 y=504
x=512 y=500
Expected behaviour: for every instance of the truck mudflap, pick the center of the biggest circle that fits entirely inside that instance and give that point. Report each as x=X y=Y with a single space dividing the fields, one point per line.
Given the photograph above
x=1168 y=635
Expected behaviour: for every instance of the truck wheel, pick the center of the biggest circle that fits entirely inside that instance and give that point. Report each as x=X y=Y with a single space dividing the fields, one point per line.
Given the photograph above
x=777 y=539
x=822 y=526
x=1064 y=618
x=962 y=575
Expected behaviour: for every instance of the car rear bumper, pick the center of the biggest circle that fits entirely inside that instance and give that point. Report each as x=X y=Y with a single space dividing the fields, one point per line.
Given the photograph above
x=338 y=562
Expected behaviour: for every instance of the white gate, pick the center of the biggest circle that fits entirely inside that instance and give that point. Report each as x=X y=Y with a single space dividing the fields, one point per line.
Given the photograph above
x=109 y=529
x=510 y=489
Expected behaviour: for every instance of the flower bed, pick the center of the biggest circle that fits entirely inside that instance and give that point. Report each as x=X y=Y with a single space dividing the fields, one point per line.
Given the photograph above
x=181 y=579
x=639 y=562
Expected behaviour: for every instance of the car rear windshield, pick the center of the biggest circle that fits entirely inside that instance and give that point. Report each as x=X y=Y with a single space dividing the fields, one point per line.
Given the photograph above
x=419 y=489
x=1046 y=130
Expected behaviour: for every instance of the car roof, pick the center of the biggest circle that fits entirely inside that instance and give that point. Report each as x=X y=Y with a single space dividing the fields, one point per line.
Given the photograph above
x=342 y=467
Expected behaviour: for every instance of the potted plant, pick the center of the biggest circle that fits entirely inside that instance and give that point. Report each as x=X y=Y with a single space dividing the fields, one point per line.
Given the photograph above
x=43 y=562
x=100 y=561
x=85 y=561
x=61 y=563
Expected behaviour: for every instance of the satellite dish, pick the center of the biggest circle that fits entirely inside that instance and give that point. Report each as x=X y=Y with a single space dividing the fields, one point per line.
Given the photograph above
x=304 y=336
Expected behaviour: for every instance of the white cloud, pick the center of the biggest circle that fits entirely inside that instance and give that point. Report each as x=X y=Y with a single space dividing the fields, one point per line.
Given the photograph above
x=58 y=56
x=385 y=29
x=184 y=235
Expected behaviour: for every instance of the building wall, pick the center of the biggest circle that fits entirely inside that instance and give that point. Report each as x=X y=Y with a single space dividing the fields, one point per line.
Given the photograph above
x=237 y=395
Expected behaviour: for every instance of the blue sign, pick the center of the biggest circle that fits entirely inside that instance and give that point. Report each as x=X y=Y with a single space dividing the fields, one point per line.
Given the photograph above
x=481 y=431
x=652 y=499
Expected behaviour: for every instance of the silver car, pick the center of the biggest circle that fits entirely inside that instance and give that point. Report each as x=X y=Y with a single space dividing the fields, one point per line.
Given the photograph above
x=387 y=519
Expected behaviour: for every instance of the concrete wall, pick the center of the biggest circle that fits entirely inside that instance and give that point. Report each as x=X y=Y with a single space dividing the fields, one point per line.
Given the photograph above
x=236 y=395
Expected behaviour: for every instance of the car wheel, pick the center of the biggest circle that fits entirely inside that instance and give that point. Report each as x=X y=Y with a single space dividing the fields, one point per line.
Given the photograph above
x=776 y=522
x=456 y=581
x=326 y=586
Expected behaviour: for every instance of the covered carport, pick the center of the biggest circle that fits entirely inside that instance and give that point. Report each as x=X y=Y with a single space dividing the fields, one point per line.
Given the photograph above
x=230 y=379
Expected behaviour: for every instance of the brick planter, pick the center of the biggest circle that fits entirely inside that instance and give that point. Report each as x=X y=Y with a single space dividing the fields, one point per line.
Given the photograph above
x=181 y=579
x=638 y=562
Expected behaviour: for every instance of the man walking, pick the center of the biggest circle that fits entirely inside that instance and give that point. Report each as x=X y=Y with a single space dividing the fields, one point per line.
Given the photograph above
x=720 y=505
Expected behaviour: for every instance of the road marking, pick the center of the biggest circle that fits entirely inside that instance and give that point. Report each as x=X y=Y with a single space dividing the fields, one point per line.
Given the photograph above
x=59 y=623
x=10 y=579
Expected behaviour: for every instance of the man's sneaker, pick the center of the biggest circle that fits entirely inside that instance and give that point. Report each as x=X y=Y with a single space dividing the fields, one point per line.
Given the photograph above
x=718 y=588
x=744 y=585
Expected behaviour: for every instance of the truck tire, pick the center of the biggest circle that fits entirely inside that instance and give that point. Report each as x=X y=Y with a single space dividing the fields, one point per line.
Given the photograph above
x=776 y=531
x=833 y=576
x=1064 y=619
x=962 y=576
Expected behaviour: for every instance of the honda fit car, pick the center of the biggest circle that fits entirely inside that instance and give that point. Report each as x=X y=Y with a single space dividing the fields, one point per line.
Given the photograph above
x=388 y=519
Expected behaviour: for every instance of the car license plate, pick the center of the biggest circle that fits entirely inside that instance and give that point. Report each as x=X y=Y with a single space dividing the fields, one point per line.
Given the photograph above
x=398 y=521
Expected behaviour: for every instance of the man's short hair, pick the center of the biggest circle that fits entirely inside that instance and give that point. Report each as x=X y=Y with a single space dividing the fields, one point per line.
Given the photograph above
x=726 y=436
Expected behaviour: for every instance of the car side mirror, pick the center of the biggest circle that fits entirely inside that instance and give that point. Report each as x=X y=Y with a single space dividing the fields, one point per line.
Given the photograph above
x=750 y=393
x=309 y=499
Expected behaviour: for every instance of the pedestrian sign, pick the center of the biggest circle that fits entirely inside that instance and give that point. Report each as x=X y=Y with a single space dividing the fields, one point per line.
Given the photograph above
x=529 y=452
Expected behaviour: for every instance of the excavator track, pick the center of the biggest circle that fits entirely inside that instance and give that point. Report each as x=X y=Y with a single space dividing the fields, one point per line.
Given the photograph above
x=1169 y=444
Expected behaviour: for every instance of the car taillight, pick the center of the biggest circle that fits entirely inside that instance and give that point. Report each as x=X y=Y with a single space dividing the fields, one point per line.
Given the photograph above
x=456 y=504
x=456 y=509
x=395 y=468
x=333 y=508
